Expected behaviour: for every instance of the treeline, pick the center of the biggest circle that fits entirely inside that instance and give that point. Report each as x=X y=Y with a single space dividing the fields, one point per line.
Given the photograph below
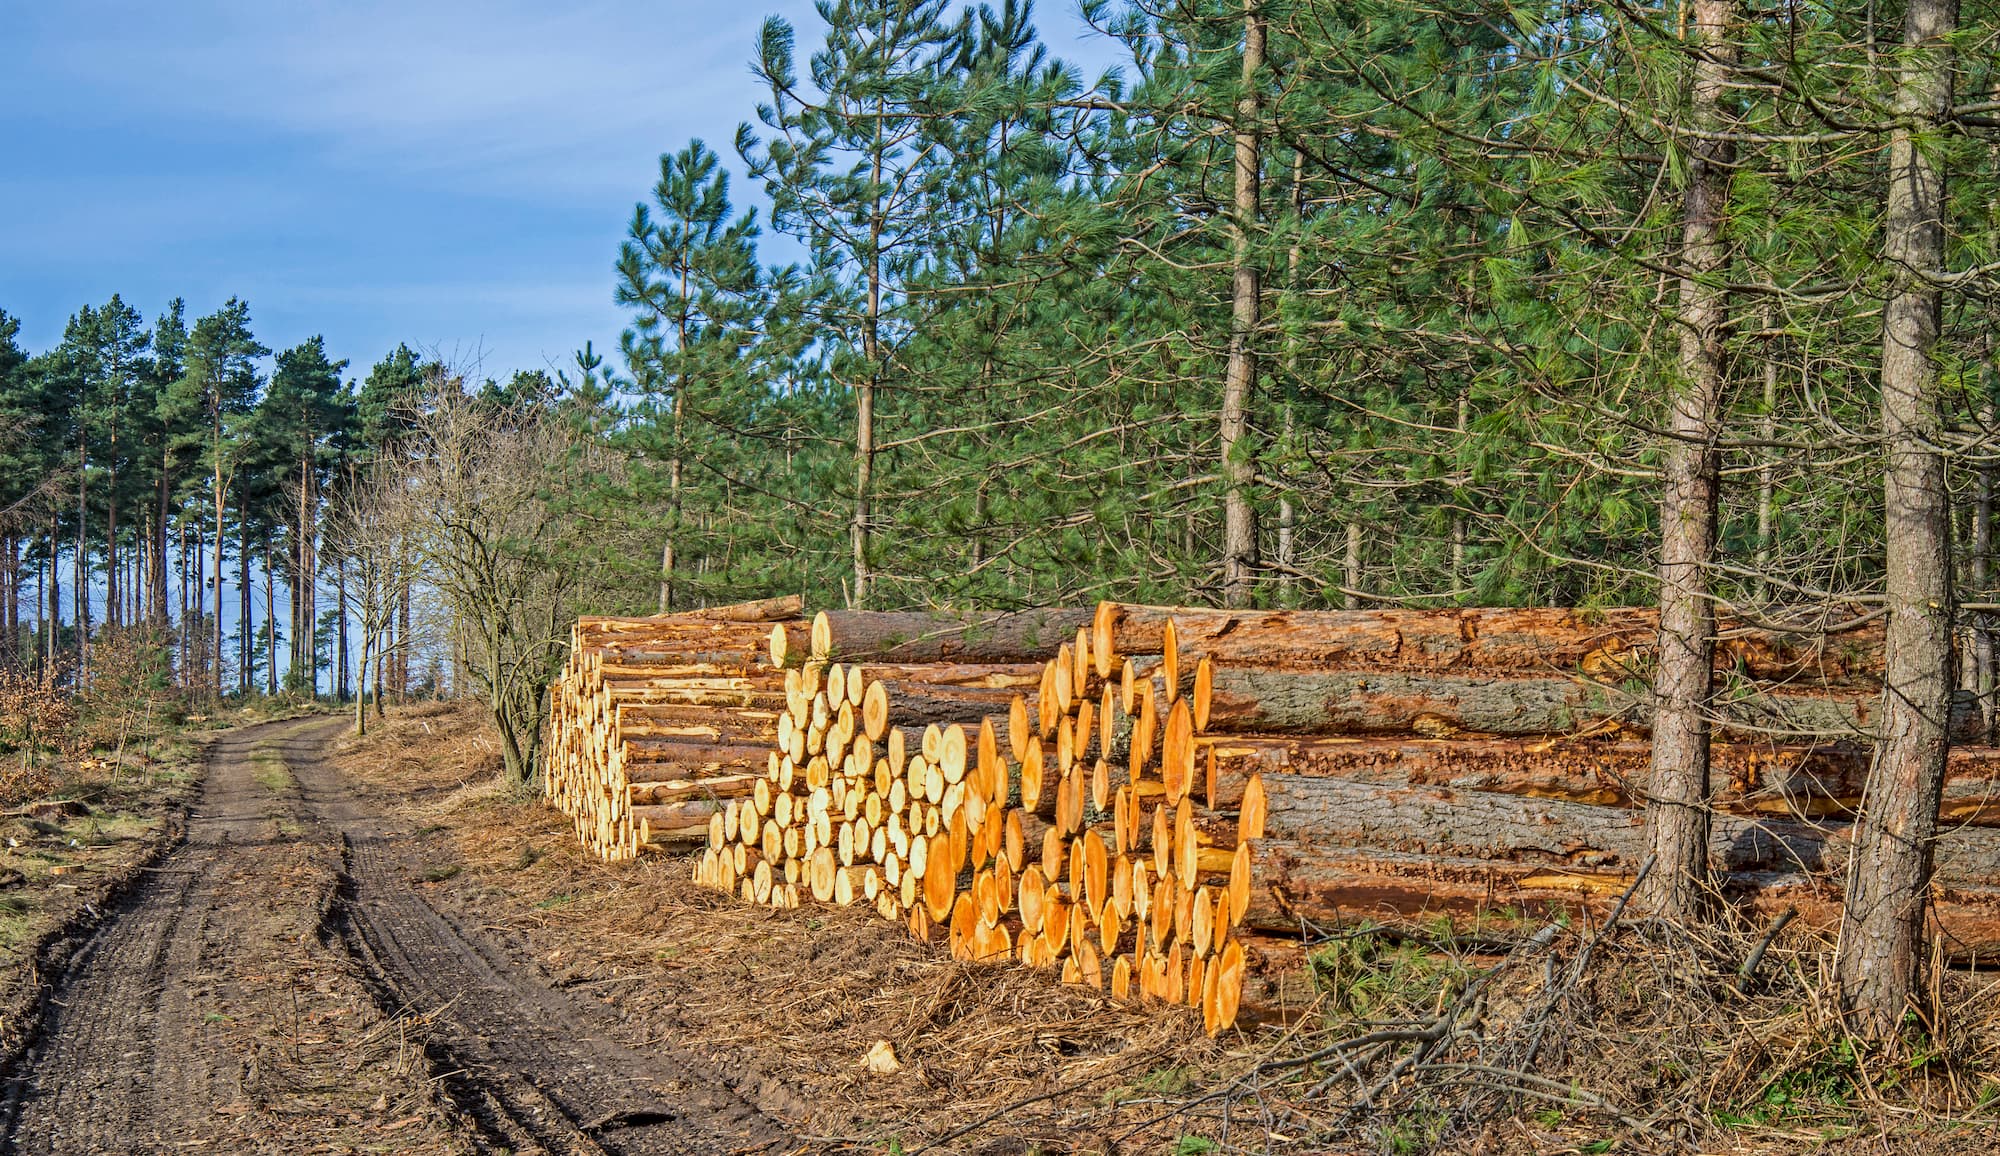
x=170 y=486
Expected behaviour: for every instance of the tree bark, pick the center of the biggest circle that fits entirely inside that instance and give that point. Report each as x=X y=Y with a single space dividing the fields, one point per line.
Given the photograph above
x=944 y=636
x=1616 y=643
x=1250 y=700
x=1296 y=882
x=1239 y=525
x=246 y=639
x=1880 y=956
x=1677 y=803
x=1806 y=782
x=270 y=620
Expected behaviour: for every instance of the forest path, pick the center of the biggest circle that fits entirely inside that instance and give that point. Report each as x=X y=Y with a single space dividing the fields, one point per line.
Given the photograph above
x=264 y=987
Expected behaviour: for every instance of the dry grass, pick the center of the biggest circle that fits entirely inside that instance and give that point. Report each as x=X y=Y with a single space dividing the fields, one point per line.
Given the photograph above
x=1635 y=1040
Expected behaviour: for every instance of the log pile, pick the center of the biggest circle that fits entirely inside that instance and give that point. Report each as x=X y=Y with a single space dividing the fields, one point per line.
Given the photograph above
x=1478 y=766
x=979 y=802
x=655 y=722
x=1169 y=802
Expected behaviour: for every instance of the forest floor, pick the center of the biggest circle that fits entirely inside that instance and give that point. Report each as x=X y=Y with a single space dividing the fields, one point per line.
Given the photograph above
x=372 y=946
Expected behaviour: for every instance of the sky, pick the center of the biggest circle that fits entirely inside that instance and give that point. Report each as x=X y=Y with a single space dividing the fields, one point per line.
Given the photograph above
x=453 y=176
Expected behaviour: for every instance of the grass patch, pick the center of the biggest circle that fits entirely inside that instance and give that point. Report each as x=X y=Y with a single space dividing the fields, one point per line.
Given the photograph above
x=440 y=874
x=268 y=767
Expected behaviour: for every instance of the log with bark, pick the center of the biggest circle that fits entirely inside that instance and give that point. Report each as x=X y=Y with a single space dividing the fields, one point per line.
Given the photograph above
x=1841 y=649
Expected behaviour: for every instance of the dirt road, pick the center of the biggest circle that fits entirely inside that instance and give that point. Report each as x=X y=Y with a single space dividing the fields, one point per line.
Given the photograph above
x=278 y=983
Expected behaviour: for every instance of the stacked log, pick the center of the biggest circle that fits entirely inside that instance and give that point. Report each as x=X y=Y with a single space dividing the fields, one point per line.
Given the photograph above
x=1469 y=765
x=943 y=770
x=656 y=722
x=1171 y=803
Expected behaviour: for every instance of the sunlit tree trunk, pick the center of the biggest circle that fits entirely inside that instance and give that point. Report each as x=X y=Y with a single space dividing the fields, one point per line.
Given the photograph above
x=1879 y=962
x=1677 y=803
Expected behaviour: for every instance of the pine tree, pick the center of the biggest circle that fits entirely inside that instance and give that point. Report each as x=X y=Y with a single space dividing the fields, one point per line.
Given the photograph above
x=691 y=274
x=856 y=167
x=221 y=384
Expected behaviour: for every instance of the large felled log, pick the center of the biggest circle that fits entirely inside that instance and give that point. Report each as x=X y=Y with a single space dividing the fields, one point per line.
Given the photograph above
x=1479 y=824
x=1494 y=911
x=1250 y=700
x=1606 y=643
x=667 y=720
x=1483 y=825
x=1751 y=778
x=931 y=636
x=758 y=610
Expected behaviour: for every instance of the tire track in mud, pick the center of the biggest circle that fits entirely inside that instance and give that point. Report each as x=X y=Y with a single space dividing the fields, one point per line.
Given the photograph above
x=534 y=1054
x=131 y=1053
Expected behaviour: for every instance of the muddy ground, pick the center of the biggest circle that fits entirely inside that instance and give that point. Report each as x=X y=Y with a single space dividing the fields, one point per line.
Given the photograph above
x=372 y=946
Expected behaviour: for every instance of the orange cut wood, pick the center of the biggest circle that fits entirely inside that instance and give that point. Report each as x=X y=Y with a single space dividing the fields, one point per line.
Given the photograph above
x=1177 y=752
x=1031 y=777
x=1055 y=921
x=1003 y=885
x=952 y=755
x=1031 y=899
x=1252 y=813
x=1088 y=963
x=875 y=712
x=1103 y=636
x=1202 y=923
x=1122 y=892
x=1238 y=893
x=1229 y=984
x=1046 y=709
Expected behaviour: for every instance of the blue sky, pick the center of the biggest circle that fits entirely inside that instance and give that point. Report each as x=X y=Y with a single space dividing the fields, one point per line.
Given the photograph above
x=453 y=176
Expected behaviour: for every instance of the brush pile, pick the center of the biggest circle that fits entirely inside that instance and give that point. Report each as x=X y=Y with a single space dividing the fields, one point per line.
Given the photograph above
x=1170 y=801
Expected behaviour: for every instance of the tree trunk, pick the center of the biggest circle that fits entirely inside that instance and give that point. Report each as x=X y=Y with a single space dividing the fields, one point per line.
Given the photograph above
x=1351 y=575
x=402 y=659
x=221 y=498
x=10 y=613
x=1678 y=786
x=340 y=608
x=246 y=639
x=361 y=697
x=1880 y=956
x=270 y=619
x=1239 y=525
x=55 y=601
x=81 y=564
x=864 y=402
x=1767 y=470
x=161 y=510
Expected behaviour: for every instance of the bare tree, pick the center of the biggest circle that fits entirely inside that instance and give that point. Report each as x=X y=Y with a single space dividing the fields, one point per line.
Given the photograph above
x=369 y=528
x=499 y=549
